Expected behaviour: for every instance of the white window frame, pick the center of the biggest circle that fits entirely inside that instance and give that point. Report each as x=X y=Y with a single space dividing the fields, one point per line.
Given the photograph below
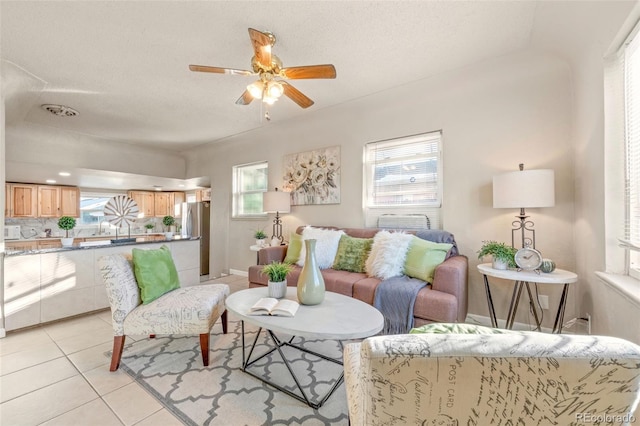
x=237 y=212
x=632 y=151
x=622 y=188
x=431 y=208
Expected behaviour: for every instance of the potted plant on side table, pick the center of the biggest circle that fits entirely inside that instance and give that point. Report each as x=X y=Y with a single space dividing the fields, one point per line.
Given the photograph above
x=502 y=254
x=277 y=273
x=149 y=227
x=66 y=223
x=260 y=237
x=168 y=221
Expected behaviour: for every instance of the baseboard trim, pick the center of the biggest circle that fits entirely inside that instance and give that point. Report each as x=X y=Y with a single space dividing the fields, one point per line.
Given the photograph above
x=238 y=272
x=486 y=322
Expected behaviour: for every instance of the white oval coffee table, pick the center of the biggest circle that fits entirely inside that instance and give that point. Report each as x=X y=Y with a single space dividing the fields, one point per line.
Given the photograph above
x=338 y=317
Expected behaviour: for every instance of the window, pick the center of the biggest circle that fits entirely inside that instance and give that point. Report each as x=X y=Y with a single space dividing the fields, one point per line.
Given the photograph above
x=249 y=183
x=92 y=207
x=403 y=176
x=632 y=151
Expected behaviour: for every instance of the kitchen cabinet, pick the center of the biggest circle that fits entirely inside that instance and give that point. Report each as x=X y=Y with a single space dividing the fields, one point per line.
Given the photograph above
x=69 y=201
x=145 y=201
x=164 y=204
x=22 y=200
x=49 y=244
x=178 y=199
x=203 y=194
x=21 y=245
x=58 y=201
x=158 y=204
x=44 y=287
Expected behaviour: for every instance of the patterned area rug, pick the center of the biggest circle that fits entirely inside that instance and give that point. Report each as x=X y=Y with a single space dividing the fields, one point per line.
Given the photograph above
x=170 y=367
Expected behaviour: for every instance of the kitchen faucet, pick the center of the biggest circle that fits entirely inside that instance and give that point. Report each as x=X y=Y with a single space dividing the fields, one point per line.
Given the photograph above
x=100 y=226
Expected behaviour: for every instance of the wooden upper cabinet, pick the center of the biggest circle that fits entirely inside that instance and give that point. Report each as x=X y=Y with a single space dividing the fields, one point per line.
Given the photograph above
x=158 y=204
x=48 y=201
x=164 y=204
x=178 y=199
x=69 y=201
x=145 y=201
x=23 y=200
x=58 y=201
x=203 y=194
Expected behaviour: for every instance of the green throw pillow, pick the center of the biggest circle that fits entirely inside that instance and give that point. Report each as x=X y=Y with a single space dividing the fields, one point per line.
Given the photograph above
x=293 y=251
x=155 y=272
x=457 y=328
x=352 y=254
x=423 y=257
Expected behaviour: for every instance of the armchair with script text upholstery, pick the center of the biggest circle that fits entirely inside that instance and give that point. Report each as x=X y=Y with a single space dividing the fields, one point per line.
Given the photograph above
x=185 y=310
x=526 y=378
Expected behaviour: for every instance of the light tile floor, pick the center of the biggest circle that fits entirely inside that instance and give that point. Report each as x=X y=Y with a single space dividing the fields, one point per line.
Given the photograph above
x=57 y=374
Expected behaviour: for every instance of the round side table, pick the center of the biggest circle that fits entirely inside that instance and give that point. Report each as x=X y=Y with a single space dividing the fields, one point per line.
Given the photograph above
x=521 y=280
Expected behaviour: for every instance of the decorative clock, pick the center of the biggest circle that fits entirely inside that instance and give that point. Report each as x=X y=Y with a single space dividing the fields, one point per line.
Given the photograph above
x=528 y=259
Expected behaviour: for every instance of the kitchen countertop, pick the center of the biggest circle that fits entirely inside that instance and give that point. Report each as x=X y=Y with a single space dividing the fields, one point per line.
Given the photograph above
x=112 y=236
x=9 y=253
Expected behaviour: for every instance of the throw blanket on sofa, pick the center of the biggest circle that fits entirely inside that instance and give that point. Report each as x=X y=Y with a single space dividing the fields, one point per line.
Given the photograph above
x=395 y=298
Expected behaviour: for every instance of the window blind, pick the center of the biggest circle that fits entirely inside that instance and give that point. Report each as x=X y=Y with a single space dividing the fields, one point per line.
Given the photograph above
x=632 y=142
x=403 y=176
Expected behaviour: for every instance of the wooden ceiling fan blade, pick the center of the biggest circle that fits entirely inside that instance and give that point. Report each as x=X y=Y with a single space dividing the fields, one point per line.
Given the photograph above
x=245 y=98
x=295 y=95
x=262 y=47
x=309 y=71
x=218 y=70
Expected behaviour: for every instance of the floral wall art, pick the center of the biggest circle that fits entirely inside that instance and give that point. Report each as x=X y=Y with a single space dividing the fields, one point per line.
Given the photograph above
x=313 y=177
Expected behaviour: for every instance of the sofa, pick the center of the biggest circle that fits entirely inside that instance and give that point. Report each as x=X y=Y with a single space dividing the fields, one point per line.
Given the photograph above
x=444 y=300
x=523 y=378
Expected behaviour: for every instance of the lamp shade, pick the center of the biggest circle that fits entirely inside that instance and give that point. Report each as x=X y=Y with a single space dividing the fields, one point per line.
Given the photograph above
x=524 y=189
x=276 y=202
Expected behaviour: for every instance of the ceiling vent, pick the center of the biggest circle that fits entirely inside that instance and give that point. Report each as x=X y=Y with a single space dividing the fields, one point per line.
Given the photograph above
x=60 y=110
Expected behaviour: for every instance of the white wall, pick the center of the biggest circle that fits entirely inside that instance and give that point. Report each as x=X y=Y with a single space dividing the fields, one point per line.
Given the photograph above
x=494 y=115
x=30 y=143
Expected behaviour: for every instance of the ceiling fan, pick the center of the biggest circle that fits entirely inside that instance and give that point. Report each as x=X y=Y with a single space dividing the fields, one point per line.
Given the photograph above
x=268 y=67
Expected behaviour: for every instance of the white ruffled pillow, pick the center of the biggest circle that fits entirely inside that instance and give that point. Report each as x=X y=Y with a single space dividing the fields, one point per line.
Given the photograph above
x=388 y=254
x=326 y=245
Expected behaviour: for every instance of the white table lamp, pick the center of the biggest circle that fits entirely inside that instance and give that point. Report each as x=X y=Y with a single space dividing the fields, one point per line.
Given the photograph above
x=520 y=190
x=277 y=202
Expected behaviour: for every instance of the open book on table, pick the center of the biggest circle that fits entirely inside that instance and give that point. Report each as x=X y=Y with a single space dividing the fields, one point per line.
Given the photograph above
x=271 y=306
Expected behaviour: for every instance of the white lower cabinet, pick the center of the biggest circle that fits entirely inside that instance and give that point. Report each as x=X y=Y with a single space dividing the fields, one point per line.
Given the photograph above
x=66 y=284
x=45 y=287
x=21 y=291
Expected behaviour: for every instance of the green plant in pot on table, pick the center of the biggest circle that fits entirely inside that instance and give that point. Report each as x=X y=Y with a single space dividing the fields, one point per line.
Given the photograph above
x=169 y=222
x=149 y=227
x=277 y=273
x=502 y=254
x=260 y=237
x=66 y=223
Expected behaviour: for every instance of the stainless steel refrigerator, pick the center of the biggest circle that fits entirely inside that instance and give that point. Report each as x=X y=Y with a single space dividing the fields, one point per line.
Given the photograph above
x=196 y=223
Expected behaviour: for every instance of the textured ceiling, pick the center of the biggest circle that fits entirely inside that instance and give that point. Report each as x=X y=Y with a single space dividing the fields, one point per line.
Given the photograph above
x=124 y=65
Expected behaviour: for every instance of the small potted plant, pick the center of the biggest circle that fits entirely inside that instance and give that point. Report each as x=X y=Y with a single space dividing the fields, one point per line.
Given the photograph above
x=260 y=237
x=502 y=254
x=66 y=223
x=277 y=273
x=149 y=227
x=169 y=222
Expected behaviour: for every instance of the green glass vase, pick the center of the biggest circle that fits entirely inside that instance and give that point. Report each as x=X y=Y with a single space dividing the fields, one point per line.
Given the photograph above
x=310 y=281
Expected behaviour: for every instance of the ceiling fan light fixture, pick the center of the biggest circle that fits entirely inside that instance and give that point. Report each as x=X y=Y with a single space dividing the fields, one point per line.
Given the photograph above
x=255 y=89
x=274 y=89
x=269 y=100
